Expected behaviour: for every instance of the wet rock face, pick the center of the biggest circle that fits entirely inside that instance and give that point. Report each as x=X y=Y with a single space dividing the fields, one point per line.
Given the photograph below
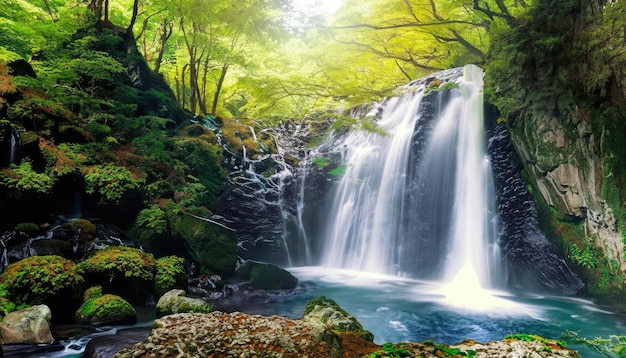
x=565 y=158
x=533 y=262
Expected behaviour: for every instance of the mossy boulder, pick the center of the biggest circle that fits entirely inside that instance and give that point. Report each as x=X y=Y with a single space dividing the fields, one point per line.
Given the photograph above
x=327 y=311
x=82 y=229
x=175 y=301
x=266 y=276
x=124 y=271
x=50 y=280
x=210 y=245
x=170 y=274
x=106 y=309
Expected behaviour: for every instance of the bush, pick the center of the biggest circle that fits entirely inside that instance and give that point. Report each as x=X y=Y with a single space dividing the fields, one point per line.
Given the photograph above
x=50 y=280
x=170 y=274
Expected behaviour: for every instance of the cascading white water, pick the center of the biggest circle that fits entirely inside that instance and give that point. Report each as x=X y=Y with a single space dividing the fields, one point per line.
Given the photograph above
x=366 y=211
x=372 y=223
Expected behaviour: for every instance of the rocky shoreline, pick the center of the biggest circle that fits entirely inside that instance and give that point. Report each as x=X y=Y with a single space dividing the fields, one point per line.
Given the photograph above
x=238 y=334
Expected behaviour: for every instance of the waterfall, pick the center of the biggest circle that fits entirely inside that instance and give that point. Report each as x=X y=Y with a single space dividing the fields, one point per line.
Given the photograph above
x=419 y=201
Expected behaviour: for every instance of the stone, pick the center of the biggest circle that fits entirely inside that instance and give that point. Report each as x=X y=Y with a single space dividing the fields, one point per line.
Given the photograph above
x=266 y=276
x=27 y=326
x=175 y=301
x=236 y=334
x=326 y=311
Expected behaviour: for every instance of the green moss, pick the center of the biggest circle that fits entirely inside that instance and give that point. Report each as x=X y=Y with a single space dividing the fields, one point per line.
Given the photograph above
x=106 y=309
x=170 y=274
x=27 y=227
x=120 y=261
x=212 y=246
x=125 y=271
x=81 y=227
x=92 y=292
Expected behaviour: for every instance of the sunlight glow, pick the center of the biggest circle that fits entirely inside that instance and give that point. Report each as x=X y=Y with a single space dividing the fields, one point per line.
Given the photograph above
x=318 y=6
x=465 y=291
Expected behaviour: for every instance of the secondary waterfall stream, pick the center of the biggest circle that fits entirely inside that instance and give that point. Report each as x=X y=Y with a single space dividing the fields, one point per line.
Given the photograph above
x=431 y=216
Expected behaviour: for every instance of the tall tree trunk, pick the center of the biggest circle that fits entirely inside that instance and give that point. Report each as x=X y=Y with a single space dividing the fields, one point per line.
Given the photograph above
x=166 y=32
x=96 y=7
x=183 y=87
x=106 y=10
x=133 y=18
x=193 y=79
x=218 y=89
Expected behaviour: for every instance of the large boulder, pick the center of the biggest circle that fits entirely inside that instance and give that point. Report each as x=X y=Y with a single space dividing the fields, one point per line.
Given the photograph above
x=236 y=334
x=266 y=276
x=175 y=301
x=27 y=326
x=212 y=246
x=326 y=311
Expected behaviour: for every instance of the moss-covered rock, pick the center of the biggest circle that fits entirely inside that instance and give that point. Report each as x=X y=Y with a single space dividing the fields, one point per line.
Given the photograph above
x=170 y=274
x=106 y=309
x=125 y=271
x=175 y=301
x=327 y=311
x=83 y=229
x=50 y=280
x=266 y=276
x=210 y=245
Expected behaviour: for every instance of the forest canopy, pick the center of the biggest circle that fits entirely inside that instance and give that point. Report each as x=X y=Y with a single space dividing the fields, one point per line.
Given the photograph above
x=272 y=57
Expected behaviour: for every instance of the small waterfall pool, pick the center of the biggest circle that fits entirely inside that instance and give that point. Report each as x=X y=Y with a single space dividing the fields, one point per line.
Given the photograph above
x=397 y=309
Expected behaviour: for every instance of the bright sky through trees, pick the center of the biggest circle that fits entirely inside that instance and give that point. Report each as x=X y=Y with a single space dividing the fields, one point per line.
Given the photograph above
x=318 y=6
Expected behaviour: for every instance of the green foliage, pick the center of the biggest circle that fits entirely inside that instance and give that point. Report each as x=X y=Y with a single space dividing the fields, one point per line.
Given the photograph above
x=339 y=171
x=366 y=124
x=6 y=305
x=170 y=274
x=321 y=162
x=120 y=262
x=612 y=346
x=110 y=181
x=390 y=350
x=586 y=257
x=37 y=279
x=150 y=222
x=23 y=178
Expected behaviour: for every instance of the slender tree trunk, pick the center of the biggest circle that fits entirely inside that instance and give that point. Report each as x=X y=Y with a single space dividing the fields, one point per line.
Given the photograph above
x=166 y=32
x=184 y=97
x=49 y=10
x=218 y=89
